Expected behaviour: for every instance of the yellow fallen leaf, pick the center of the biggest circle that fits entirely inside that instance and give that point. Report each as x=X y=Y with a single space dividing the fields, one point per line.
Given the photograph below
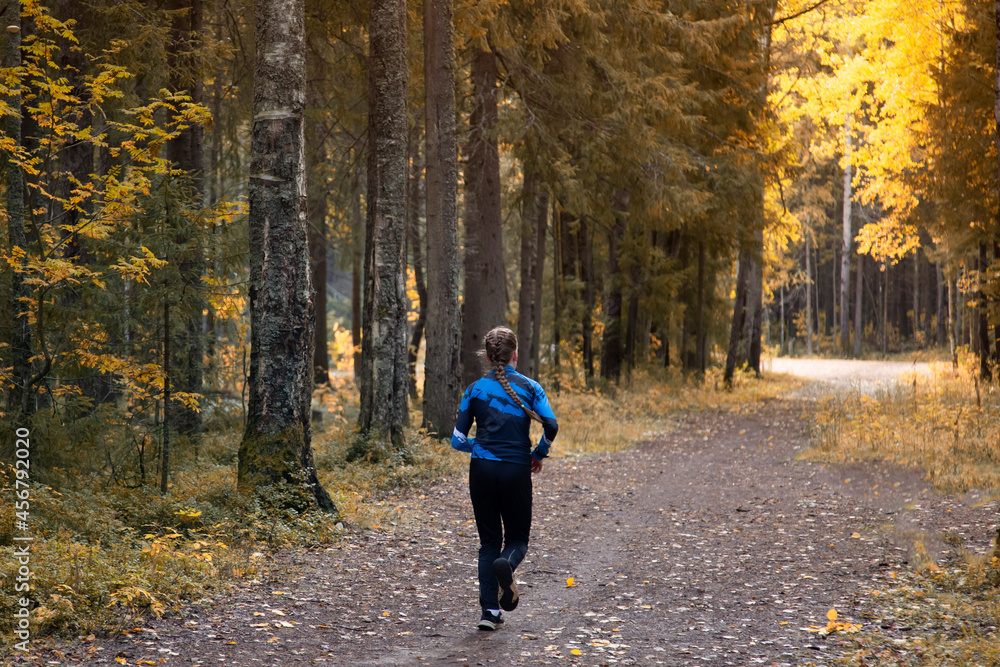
x=856 y=535
x=121 y=660
x=385 y=613
x=570 y=582
x=832 y=614
x=576 y=651
x=272 y=640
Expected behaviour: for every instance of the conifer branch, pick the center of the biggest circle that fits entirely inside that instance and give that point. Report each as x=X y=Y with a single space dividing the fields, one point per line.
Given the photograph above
x=802 y=12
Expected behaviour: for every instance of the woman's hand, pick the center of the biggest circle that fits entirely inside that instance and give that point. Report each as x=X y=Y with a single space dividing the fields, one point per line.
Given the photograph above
x=536 y=464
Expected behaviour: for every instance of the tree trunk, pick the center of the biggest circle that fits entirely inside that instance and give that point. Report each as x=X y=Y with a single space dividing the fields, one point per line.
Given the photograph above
x=916 y=293
x=755 y=300
x=316 y=220
x=858 y=294
x=413 y=240
x=19 y=398
x=357 y=262
x=276 y=444
x=529 y=216
x=442 y=363
x=187 y=152
x=845 y=258
x=982 y=320
x=781 y=291
x=586 y=247
x=611 y=348
x=941 y=319
x=700 y=356
x=384 y=405
x=733 y=356
x=952 y=338
x=484 y=305
x=542 y=206
x=809 y=330
x=833 y=295
x=165 y=449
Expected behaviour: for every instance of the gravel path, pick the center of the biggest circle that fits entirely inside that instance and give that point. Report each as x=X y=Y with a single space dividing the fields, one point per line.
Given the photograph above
x=712 y=545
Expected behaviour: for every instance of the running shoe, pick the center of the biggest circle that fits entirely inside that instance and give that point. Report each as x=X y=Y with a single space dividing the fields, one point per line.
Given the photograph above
x=508 y=587
x=489 y=621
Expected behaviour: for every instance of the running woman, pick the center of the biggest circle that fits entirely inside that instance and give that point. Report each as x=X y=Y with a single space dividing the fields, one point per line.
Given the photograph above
x=502 y=404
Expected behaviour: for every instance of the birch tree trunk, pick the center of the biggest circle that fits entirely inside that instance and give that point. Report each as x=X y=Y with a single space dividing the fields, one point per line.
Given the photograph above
x=484 y=305
x=442 y=364
x=276 y=444
x=384 y=399
x=845 y=258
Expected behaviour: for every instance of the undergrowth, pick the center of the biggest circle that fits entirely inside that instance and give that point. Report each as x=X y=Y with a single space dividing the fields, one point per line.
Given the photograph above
x=948 y=424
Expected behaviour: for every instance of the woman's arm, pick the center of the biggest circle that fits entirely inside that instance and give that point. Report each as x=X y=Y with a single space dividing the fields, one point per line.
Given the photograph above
x=463 y=422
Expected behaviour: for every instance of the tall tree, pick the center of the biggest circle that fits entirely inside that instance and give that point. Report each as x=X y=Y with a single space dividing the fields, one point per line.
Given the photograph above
x=442 y=366
x=19 y=399
x=276 y=445
x=384 y=404
x=484 y=304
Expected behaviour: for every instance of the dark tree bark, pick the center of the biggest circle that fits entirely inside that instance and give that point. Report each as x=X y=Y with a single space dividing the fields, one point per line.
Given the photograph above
x=276 y=445
x=187 y=152
x=384 y=404
x=611 y=348
x=586 y=246
x=484 y=305
x=529 y=236
x=755 y=302
x=733 y=356
x=19 y=398
x=316 y=194
x=845 y=257
x=442 y=368
x=165 y=448
x=415 y=243
x=859 y=281
x=357 y=262
x=542 y=222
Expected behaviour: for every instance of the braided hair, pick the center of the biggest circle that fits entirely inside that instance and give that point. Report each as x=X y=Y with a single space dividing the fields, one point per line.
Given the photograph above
x=500 y=344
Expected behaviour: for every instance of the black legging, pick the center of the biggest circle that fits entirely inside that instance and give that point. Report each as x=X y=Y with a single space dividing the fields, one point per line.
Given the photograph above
x=501 y=500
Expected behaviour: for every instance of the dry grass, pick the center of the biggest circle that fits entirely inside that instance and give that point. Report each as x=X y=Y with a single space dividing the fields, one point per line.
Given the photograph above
x=618 y=418
x=949 y=425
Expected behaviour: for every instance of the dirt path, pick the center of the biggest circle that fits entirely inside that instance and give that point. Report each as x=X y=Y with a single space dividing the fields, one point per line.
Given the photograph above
x=846 y=374
x=710 y=546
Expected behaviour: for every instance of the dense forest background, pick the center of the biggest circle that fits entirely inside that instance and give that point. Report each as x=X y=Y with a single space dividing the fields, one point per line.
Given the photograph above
x=671 y=184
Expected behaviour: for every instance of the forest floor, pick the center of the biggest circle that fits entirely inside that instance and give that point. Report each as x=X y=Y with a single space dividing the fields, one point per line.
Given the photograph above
x=713 y=544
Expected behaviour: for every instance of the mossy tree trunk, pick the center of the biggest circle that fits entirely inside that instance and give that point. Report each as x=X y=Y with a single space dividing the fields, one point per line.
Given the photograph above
x=276 y=450
x=442 y=364
x=384 y=399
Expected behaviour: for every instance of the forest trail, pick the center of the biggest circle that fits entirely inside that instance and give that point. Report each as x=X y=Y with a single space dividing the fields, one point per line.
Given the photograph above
x=712 y=545
x=846 y=374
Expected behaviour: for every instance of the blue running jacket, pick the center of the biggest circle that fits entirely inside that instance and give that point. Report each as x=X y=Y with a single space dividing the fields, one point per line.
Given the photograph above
x=502 y=428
